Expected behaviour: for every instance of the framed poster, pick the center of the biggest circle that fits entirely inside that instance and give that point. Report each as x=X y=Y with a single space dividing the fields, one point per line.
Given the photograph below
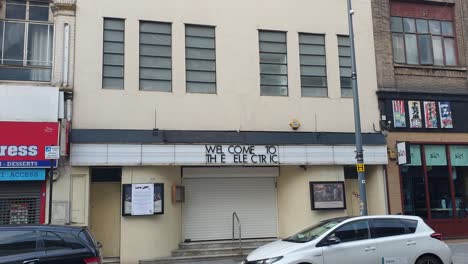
x=399 y=113
x=415 y=118
x=430 y=114
x=445 y=115
x=142 y=199
x=327 y=195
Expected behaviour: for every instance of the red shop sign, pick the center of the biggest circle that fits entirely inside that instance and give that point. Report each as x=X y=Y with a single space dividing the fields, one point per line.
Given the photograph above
x=22 y=144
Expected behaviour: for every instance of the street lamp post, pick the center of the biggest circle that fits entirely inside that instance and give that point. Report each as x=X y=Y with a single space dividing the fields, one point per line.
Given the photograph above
x=357 y=118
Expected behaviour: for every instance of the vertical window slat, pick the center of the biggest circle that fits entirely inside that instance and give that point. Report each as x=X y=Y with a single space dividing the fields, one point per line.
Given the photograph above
x=155 y=56
x=113 y=74
x=273 y=63
x=200 y=59
x=344 y=48
x=313 y=65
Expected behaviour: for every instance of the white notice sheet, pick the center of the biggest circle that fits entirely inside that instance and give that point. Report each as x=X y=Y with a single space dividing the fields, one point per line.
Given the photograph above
x=142 y=199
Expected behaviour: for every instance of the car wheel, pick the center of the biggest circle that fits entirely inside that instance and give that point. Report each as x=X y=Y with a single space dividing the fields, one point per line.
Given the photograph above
x=428 y=260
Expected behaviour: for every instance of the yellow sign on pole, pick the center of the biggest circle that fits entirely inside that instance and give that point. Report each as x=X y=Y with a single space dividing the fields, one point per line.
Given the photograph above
x=360 y=167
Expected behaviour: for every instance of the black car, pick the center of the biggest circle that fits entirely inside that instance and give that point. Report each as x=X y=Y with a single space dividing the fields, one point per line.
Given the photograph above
x=44 y=244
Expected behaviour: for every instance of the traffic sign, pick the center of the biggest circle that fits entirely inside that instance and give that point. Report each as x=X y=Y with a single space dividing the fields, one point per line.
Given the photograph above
x=52 y=152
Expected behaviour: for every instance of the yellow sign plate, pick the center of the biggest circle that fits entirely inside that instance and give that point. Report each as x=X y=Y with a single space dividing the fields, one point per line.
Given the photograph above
x=360 y=167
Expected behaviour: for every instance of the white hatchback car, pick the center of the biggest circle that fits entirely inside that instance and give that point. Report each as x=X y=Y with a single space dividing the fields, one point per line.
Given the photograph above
x=358 y=240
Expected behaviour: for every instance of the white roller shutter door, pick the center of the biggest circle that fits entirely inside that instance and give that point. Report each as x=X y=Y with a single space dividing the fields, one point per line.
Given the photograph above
x=210 y=202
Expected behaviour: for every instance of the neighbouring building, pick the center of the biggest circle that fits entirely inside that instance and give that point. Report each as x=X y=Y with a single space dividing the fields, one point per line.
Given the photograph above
x=422 y=54
x=36 y=80
x=186 y=112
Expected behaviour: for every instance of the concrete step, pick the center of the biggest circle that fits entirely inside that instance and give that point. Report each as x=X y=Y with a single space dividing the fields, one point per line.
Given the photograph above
x=111 y=260
x=195 y=259
x=225 y=243
x=212 y=251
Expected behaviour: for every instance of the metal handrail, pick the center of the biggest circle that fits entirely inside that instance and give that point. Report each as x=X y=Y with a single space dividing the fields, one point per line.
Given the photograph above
x=236 y=217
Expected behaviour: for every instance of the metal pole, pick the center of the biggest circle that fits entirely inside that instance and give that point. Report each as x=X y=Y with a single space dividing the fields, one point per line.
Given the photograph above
x=357 y=117
x=51 y=184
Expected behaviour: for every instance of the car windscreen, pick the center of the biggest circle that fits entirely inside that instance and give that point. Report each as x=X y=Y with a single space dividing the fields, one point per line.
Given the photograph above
x=313 y=232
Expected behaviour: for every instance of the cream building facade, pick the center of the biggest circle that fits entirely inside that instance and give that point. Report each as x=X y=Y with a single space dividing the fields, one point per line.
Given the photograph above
x=239 y=106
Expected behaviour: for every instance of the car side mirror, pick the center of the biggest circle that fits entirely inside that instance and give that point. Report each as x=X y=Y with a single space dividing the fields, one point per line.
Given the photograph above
x=333 y=240
x=99 y=245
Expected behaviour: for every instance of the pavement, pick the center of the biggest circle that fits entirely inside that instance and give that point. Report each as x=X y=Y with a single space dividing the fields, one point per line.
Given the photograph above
x=459 y=250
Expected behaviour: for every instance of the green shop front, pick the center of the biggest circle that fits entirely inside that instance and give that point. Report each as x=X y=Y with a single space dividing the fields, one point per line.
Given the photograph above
x=434 y=186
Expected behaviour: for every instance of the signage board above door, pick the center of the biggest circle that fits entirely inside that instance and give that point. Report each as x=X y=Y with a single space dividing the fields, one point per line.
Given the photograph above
x=23 y=144
x=241 y=154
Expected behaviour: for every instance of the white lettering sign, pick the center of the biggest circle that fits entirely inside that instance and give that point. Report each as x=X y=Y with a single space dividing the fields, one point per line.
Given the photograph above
x=241 y=154
x=18 y=151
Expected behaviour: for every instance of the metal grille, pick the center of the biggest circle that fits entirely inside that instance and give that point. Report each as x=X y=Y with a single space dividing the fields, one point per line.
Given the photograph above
x=20 y=203
x=19 y=211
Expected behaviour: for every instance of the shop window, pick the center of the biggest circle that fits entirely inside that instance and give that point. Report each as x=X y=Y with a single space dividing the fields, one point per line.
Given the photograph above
x=155 y=56
x=414 y=192
x=459 y=161
x=200 y=59
x=344 y=52
x=27 y=34
x=438 y=181
x=273 y=63
x=313 y=65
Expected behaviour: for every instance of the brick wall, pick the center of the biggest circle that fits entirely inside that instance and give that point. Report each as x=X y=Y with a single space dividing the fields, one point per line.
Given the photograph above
x=425 y=78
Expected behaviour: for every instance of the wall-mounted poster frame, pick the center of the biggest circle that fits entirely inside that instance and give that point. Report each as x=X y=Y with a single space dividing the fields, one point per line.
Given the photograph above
x=127 y=199
x=327 y=195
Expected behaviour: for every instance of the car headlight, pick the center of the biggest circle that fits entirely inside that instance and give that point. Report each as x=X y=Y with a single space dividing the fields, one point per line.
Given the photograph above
x=265 y=261
x=272 y=260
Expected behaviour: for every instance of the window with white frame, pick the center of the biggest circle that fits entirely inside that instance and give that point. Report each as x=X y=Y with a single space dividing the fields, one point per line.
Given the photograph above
x=423 y=41
x=273 y=63
x=200 y=59
x=313 y=65
x=344 y=52
x=155 y=56
x=113 y=57
x=27 y=41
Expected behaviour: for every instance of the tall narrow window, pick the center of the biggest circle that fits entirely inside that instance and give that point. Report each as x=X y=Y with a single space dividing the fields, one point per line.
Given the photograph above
x=27 y=40
x=344 y=52
x=313 y=65
x=200 y=59
x=273 y=63
x=155 y=56
x=113 y=58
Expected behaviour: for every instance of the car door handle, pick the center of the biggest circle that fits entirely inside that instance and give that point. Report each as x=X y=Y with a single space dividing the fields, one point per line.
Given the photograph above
x=31 y=261
x=411 y=243
x=367 y=249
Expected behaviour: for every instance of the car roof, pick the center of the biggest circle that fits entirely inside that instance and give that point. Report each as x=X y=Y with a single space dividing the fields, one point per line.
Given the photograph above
x=410 y=217
x=43 y=227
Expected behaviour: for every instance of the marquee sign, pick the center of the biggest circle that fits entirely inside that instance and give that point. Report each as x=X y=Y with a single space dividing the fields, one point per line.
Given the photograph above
x=23 y=144
x=242 y=154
